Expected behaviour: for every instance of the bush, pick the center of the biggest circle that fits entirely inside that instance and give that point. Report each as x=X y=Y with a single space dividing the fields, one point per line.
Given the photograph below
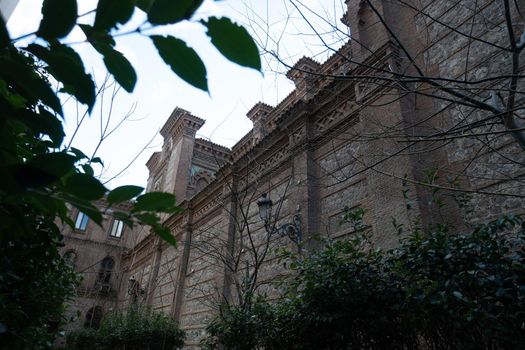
x=435 y=291
x=239 y=328
x=34 y=281
x=135 y=329
x=84 y=339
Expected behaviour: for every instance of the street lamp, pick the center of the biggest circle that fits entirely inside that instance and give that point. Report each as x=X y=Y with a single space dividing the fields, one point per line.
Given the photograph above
x=265 y=208
x=134 y=288
x=292 y=229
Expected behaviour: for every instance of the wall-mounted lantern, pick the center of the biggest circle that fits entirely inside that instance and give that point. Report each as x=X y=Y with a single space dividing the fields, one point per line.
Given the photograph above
x=134 y=288
x=292 y=229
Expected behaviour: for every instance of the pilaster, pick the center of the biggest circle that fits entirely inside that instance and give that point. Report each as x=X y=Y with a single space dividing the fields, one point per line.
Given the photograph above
x=186 y=237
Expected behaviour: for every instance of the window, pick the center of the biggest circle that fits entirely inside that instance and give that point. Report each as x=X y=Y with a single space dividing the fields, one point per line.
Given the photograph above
x=106 y=267
x=93 y=317
x=116 y=229
x=82 y=221
x=70 y=258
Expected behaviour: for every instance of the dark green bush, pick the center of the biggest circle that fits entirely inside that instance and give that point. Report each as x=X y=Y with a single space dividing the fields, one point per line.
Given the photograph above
x=34 y=281
x=435 y=291
x=238 y=328
x=84 y=339
x=137 y=328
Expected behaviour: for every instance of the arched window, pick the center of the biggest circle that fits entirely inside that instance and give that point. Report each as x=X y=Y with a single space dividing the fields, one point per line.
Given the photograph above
x=70 y=258
x=106 y=268
x=93 y=317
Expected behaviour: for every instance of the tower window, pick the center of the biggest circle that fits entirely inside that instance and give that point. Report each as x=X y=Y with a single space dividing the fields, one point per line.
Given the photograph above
x=116 y=229
x=81 y=222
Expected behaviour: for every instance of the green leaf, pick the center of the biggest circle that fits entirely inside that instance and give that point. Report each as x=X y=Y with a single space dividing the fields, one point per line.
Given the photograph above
x=59 y=18
x=78 y=153
x=85 y=186
x=121 y=215
x=42 y=123
x=169 y=11
x=43 y=169
x=125 y=218
x=57 y=164
x=47 y=204
x=155 y=201
x=97 y=160
x=97 y=37
x=118 y=66
x=88 y=169
x=148 y=218
x=86 y=207
x=182 y=59
x=154 y=221
x=67 y=67
x=111 y=12
x=234 y=42
x=114 y=60
x=27 y=177
x=124 y=193
x=15 y=100
x=164 y=233
x=32 y=86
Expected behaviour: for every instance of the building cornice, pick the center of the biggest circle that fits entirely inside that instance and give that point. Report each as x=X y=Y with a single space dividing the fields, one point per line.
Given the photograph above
x=179 y=120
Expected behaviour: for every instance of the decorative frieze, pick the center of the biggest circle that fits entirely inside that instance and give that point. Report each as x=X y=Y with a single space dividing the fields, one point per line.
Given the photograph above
x=335 y=116
x=210 y=205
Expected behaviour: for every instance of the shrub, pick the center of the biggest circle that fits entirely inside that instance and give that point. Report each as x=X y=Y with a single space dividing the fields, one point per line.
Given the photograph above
x=83 y=339
x=239 y=328
x=34 y=281
x=135 y=329
x=435 y=291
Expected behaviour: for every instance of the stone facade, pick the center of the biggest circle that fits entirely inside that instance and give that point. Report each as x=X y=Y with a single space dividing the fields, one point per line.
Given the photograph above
x=354 y=133
x=311 y=153
x=95 y=253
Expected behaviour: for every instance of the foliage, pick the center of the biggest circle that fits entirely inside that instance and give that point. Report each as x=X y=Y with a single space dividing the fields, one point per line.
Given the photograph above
x=437 y=290
x=83 y=339
x=239 y=328
x=135 y=329
x=34 y=283
x=40 y=178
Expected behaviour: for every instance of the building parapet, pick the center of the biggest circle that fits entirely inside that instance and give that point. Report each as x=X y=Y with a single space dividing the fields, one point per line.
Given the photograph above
x=153 y=161
x=212 y=148
x=179 y=119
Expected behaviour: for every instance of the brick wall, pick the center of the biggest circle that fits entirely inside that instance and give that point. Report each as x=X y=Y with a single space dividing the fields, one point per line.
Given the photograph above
x=340 y=143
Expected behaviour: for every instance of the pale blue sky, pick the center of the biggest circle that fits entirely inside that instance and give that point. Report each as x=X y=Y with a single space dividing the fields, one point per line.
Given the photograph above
x=276 y=25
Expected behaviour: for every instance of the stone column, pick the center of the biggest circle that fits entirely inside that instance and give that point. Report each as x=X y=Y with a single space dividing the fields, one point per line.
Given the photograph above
x=155 y=271
x=305 y=186
x=230 y=203
x=185 y=238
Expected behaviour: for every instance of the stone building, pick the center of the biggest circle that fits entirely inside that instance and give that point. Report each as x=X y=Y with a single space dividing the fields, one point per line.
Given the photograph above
x=95 y=253
x=392 y=122
x=337 y=141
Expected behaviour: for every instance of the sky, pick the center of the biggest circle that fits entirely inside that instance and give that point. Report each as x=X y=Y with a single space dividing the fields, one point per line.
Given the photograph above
x=286 y=29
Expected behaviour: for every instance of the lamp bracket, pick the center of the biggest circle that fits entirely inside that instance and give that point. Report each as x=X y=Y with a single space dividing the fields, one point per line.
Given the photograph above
x=291 y=230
